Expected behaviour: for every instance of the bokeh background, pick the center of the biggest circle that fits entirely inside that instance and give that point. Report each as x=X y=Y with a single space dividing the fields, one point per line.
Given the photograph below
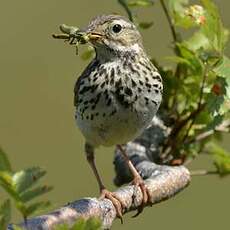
x=37 y=125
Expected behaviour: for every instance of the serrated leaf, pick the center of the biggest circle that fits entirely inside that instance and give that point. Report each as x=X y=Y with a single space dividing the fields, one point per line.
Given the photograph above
x=197 y=41
x=27 y=178
x=33 y=193
x=4 y=162
x=213 y=28
x=5 y=214
x=214 y=100
x=80 y=225
x=223 y=67
x=217 y=120
x=140 y=3
x=221 y=159
x=145 y=25
x=6 y=184
x=15 y=227
x=37 y=207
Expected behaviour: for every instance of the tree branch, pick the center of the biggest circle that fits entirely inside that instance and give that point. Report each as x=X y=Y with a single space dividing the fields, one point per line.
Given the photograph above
x=162 y=182
x=223 y=127
x=123 y=3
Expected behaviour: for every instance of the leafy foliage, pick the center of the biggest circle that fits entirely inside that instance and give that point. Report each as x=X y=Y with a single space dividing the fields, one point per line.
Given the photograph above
x=5 y=213
x=20 y=186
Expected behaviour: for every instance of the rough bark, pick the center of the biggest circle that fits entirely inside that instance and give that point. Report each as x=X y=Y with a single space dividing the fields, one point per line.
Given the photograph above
x=162 y=182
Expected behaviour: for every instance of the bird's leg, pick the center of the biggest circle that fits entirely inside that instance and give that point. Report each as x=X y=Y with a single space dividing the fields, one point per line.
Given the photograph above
x=137 y=181
x=104 y=193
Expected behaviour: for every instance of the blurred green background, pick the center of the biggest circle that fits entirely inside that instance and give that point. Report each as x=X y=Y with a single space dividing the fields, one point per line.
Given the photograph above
x=37 y=124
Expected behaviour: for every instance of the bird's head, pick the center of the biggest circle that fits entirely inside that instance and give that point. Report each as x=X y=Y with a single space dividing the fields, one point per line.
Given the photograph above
x=115 y=33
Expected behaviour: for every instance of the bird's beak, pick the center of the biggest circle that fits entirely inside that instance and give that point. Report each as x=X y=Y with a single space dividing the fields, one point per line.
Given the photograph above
x=94 y=36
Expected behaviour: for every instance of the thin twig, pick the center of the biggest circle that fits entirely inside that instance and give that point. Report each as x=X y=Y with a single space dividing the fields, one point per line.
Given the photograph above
x=203 y=172
x=176 y=39
x=171 y=25
x=124 y=4
x=198 y=105
x=223 y=127
x=170 y=145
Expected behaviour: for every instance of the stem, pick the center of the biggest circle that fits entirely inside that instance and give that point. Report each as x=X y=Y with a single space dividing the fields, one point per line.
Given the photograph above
x=224 y=127
x=198 y=105
x=179 y=68
x=203 y=172
x=171 y=25
x=126 y=7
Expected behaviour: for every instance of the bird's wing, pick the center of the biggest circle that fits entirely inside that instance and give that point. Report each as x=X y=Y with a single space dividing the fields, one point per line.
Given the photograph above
x=84 y=75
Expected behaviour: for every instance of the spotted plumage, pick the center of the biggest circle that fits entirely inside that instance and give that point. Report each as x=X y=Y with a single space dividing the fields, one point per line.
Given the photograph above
x=118 y=93
x=128 y=84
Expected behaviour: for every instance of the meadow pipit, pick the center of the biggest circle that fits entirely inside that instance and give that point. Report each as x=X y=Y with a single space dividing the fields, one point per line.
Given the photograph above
x=118 y=93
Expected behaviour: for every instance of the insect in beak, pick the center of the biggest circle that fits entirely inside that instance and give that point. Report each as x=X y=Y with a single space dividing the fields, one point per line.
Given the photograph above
x=75 y=36
x=72 y=35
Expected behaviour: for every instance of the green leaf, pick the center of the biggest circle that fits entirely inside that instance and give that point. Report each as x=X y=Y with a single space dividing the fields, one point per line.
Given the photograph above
x=89 y=53
x=15 y=227
x=213 y=28
x=215 y=98
x=140 y=3
x=221 y=159
x=82 y=224
x=31 y=194
x=37 y=207
x=4 y=162
x=192 y=60
x=145 y=25
x=93 y=224
x=5 y=214
x=6 y=184
x=24 y=179
x=181 y=60
x=124 y=4
x=197 y=41
x=177 y=8
x=217 y=120
x=223 y=67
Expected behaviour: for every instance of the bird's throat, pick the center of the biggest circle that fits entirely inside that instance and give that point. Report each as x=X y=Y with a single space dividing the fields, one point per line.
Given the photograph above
x=110 y=53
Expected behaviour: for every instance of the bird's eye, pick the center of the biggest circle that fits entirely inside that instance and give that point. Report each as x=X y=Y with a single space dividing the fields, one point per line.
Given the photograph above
x=116 y=28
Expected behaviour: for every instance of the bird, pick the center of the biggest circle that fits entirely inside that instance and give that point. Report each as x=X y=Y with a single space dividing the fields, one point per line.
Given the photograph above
x=117 y=95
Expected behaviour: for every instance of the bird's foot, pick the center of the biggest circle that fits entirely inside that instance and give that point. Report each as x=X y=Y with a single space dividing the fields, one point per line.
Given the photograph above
x=146 y=197
x=119 y=206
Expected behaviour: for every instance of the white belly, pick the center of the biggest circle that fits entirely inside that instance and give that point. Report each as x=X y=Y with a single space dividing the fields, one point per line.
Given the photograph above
x=119 y=128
